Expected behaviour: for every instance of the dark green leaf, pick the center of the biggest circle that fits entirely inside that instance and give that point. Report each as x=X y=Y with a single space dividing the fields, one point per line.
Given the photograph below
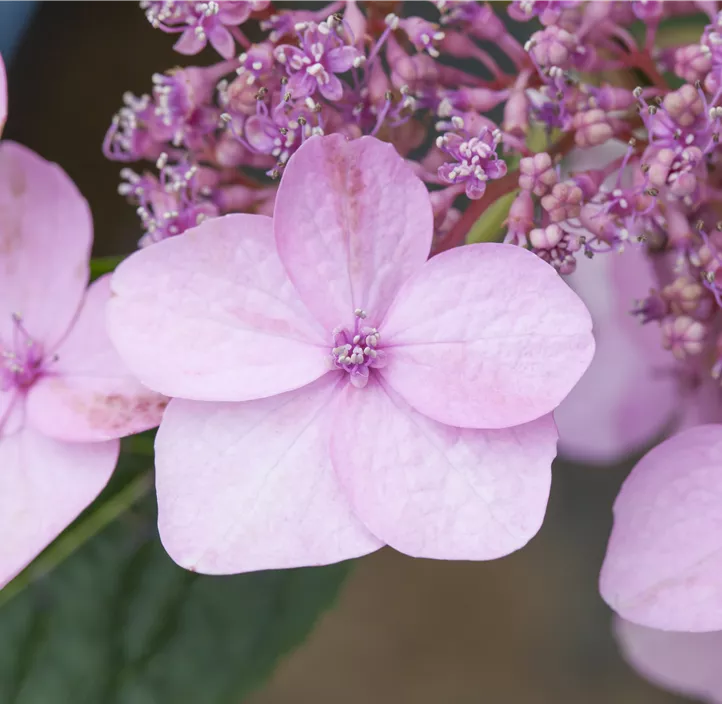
x=119 y=623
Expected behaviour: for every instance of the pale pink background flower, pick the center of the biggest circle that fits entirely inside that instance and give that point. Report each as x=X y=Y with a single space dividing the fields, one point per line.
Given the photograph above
x=629 y=396
x=684 y=663
x=286 y=447
x=663 y=566
x=65 y=396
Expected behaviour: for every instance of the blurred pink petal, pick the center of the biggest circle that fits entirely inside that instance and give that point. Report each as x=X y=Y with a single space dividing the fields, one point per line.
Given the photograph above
x=432 y=490
x=352 y=223
x=629 y=395
x=46 y=231
x=222 y=41
x=250 y=486
x=89 y=394
x=664 y=560
x=211 y=315
x=684 y=663
x=190 y=42
x=486 y=336
x=44 y=485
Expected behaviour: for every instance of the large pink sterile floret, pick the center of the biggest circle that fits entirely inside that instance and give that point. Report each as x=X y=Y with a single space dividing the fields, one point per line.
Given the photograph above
x=65 y=396
x=334 y=390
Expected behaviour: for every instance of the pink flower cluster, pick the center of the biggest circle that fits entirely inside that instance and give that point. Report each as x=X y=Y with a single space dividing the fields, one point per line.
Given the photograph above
x=349 y=68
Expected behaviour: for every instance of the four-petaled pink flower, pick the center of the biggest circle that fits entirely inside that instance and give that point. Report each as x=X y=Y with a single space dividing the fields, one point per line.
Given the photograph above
x=334 y=391
x=322 y=54
x=65 y=396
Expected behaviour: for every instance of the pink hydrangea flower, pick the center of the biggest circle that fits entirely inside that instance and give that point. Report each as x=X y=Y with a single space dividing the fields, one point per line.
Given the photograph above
x=334 y=391
x=663 y=567
x=685 y=663
x=65 y=396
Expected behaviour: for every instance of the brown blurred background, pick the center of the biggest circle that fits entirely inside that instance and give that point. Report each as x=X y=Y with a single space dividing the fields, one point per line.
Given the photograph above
x=528 y=629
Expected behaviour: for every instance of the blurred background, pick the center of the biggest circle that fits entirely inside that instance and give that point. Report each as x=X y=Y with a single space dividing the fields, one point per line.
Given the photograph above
x=527 y=629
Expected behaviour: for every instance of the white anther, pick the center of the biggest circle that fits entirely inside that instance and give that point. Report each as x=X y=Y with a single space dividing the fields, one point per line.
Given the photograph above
x=359 y=313
x=392 y=21
x=356 y=339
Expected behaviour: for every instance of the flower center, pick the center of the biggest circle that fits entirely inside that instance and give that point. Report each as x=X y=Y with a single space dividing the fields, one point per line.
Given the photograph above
x=357 y=351
x=21 y=361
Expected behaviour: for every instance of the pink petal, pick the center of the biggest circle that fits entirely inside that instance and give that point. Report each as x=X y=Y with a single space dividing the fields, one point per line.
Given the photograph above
x=341 y=58
x=331 y=89
x=90 y=395
x=211 y=315
x=190 y=43
x=222 y=41
x=46 y=232
x=628 y=395
x=249 y=486
x=431 y=490
x=261 y=133
x=301 y=84
x=664 y=560
x=234 y=13
x=352 y=223
x=486 y=336
x=685 y=663
x=3 y=95
x=44 y=485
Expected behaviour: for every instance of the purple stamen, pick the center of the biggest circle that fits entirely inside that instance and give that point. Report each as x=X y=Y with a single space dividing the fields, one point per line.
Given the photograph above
x=357 y=352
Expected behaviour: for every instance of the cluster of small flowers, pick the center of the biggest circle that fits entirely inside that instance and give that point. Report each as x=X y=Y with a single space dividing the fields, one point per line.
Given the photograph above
x=661 y=193
x=222 y=134
x=354 y=69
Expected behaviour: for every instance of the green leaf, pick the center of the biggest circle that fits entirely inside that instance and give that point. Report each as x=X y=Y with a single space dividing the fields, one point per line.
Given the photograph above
x=104 y=265
x=117 y=622
x=490 y=225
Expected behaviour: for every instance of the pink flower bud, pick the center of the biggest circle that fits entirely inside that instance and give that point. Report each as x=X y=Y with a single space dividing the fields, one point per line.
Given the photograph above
x=592 y=128
x=356 y=22
x=546 y=238
x=692 y=62
x=684 y=106
x=537 y=174
x=552 y=46
x=686 y=296
x=563 y=202
x=683 y=336
x=516 y=114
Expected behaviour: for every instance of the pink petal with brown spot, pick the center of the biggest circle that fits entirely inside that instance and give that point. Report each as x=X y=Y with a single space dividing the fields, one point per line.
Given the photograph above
x=89 y=394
